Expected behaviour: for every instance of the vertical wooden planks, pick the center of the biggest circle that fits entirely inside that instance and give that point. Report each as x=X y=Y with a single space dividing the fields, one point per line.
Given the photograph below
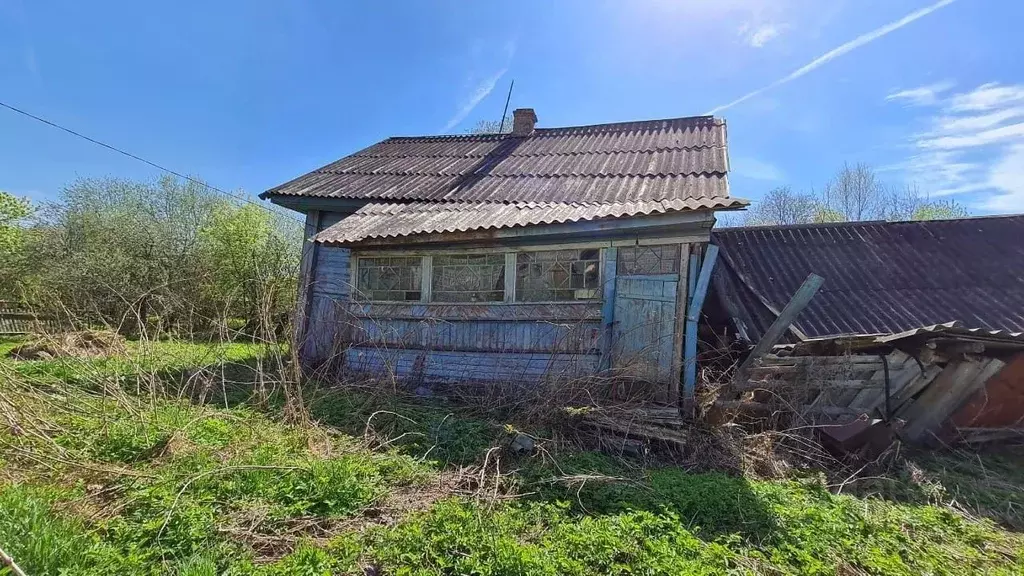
x=643 y=328
x=608 y=306
x=306 y=266
x=682 y=289
x=700 y=290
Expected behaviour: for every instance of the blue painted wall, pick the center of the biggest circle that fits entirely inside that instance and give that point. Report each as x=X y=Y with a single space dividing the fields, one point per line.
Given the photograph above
x=439 y=342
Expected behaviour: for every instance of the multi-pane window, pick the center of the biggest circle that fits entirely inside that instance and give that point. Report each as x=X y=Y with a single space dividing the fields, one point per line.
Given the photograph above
x=468 y=278
x=552 y=275
x=390 y=279
x=647 y=260
x=539 y=276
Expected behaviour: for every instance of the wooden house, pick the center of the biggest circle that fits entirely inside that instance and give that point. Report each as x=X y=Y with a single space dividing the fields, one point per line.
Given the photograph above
x=544 y=253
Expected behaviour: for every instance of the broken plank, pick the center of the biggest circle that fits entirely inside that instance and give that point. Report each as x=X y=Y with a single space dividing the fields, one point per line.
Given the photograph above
x=634 y=428
x=933 y=405
x=982 y=435
x=802 y=360
x=782 y=322
x=915 y=385
x=751 y=406
x=823 y=385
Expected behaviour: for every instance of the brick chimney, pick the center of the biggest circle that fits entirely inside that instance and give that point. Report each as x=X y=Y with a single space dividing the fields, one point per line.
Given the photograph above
x=523 y=121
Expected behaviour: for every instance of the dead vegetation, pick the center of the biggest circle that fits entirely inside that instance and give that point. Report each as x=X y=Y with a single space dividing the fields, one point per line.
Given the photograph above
x=78 y=344
x=208 y=463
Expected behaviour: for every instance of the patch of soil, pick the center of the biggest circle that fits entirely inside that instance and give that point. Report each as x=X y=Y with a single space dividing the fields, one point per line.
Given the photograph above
x=271 y=540
x=83 y=344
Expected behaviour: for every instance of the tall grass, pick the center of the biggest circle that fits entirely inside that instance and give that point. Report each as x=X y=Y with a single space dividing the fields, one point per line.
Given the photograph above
x=39 y=539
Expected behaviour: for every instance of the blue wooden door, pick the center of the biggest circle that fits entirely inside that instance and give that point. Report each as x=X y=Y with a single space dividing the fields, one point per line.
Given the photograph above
x=642 y=334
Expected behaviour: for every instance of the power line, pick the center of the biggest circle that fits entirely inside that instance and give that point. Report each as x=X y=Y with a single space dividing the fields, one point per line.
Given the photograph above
x=143 y=160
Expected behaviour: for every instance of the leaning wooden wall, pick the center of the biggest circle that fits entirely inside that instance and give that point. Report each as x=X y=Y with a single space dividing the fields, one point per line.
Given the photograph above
x=927 y=399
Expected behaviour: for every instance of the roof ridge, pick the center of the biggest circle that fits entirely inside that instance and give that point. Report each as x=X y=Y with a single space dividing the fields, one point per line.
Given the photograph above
x=600 y=127
x=854 y=223
x=625 y=125
x=704 y=173
x=514 y=154
x=532 y=204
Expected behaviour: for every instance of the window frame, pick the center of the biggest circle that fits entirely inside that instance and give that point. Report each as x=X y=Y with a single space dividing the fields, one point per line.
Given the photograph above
x=426 y=269
x=357 y=290
x=600 y=275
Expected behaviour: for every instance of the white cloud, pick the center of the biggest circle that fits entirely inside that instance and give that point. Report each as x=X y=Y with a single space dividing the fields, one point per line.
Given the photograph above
x=758 y=36
x=973 y=139
x=987 y=97
x=979 y=122
x=973 y=143
x=921 y=96
x=1007 y=176
x=756 y=169
x=479 y=93
x=838 y=51
x=484 y=87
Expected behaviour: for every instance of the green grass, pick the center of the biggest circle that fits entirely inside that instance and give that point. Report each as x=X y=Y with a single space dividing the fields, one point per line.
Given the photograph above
x=165 y=358
x=8 y=343
x=39 y=539
x=98 y=484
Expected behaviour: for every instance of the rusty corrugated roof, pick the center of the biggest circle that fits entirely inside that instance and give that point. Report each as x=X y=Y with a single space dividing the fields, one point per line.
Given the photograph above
x=389 y=220
x=880 y=277
x=676 y=159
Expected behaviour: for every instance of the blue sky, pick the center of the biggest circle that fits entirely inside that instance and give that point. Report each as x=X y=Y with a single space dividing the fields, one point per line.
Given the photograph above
x=248 y=94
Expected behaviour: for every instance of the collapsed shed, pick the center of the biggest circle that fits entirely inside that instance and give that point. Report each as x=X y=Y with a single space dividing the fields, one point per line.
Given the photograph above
x=921 y=322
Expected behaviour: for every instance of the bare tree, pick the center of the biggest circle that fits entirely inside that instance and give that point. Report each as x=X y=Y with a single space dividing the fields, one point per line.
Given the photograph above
x=492 y=126
x=908 y=203
x=854 y=193
x=783 y=206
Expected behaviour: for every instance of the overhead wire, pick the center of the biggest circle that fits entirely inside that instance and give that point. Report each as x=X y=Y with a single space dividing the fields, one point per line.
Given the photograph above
x=144 y=161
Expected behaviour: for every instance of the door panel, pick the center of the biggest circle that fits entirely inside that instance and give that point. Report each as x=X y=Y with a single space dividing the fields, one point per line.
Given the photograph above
x=642 y=344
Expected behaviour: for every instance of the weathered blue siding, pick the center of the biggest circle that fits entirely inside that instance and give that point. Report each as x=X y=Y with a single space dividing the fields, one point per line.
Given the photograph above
x=330 y=283
x=444 y=342
x=645 y=314
x=509 y=342
x=440 y=366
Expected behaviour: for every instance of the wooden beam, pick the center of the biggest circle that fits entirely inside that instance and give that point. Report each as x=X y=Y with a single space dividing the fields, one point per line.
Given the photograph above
x=796 y=304
x=510 y=277
x=608 y=306
x=680 y=325
x=700 y=291
x=307 y=274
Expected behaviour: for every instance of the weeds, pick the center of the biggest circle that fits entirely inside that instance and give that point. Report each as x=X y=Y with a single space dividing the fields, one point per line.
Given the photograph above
x=99 y=479
x=41 y=541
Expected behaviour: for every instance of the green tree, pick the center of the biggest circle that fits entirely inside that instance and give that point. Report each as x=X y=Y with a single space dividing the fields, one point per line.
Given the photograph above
x=940 y=211
x=120 y=250
x=253 y=259
x=13 y=213
x=14 y=235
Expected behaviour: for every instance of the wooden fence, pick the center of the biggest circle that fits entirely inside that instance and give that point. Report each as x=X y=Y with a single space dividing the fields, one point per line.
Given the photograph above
x=16 y=318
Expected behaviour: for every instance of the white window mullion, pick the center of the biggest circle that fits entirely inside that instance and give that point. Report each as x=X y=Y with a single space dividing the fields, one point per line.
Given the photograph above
x=426 y=282
x=510 y=277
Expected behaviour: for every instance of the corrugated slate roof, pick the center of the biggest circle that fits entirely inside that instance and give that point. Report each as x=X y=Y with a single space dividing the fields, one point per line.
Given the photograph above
x=880 y=278
x=677 y=159
x=955 y=328
x=388 y=220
